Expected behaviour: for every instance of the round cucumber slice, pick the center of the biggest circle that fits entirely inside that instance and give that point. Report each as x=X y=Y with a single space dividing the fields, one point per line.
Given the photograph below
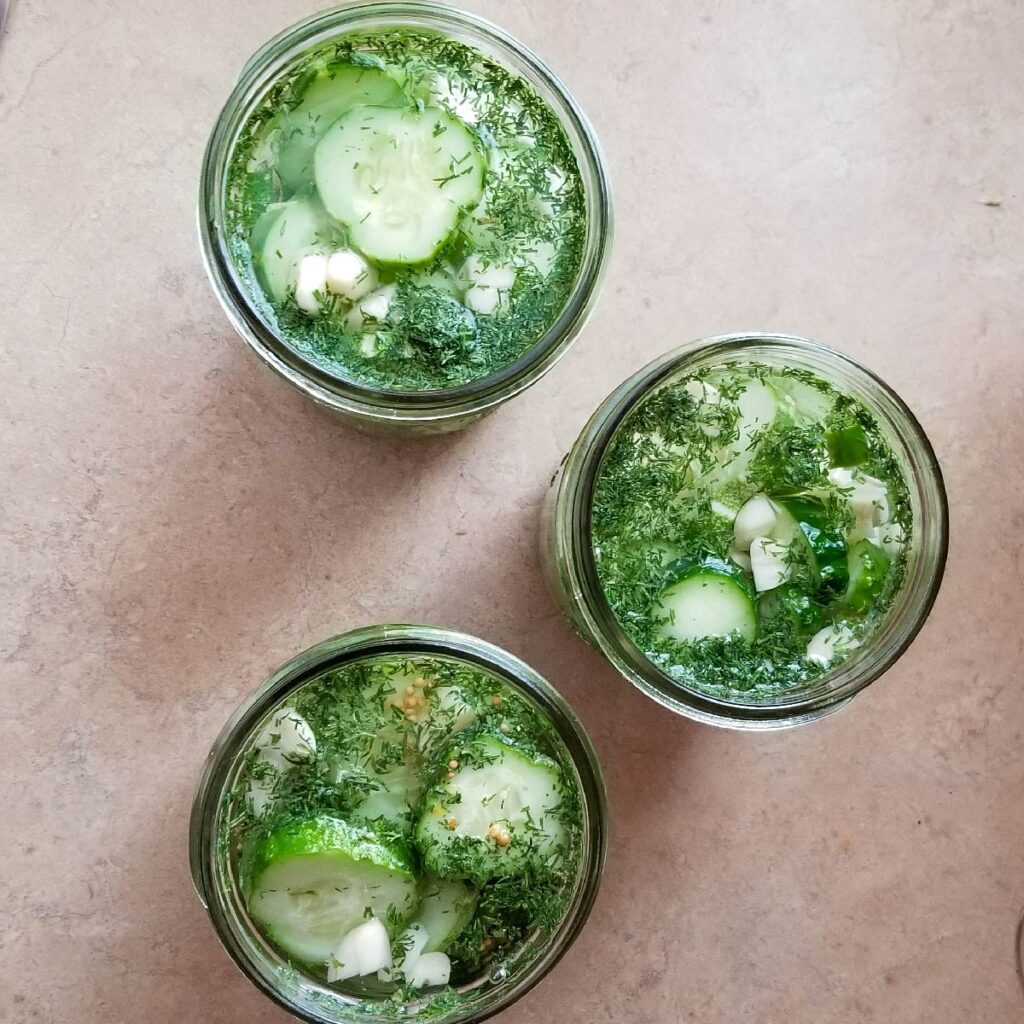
x=399 y=178
x=448 y=906
x=333 y=90
x=309 y=884
x=280 y=238
x=706 y=599
x=495 y=814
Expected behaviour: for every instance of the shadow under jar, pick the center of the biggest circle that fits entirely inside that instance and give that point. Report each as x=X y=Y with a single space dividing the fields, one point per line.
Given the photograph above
x=752 y=529
x=404 y=213
x=403 y=822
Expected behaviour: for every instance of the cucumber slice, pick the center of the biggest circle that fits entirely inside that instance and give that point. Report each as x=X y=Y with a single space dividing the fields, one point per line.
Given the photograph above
x=398 y=178
x=400 y=788
x=448 y=906
x=309 y=884
x=280 y=238
x=826 y=545
x=869 y=566
x=332 y=91
x=495 y=814
x=706 y=599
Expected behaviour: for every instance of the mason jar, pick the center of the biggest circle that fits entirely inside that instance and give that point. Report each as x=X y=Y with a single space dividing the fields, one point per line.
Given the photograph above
x=570 y=568
x=362 y=406
x=215 y=873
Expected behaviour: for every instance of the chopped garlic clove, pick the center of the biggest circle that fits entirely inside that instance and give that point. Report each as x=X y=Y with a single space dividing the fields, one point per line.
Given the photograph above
x=482 y=300
x=413 y=940
x=868 y=498
x=349 y=275
x=310 y=282
x=260 y=796
x=478 y=271
x=720 y=508
x=768 y=563
x=286 y=740
x=830 y=643
x=702 y=391
x=429 y=970
x=488 y=285
x=374 y=306
x=365 y=950
x=756 y=518
x=740 y=558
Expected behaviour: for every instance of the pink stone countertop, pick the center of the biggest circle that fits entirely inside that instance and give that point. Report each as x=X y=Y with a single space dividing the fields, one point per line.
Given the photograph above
x=176 y=522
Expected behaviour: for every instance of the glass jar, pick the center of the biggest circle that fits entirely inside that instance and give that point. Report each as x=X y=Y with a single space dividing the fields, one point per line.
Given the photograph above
x=215 y=879
x=572 y=575
x=400 y=411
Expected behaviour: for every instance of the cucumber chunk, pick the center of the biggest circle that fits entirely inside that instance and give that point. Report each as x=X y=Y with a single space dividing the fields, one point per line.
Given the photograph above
x=826 y=546
x=792 y=606
x=448 y=906
x=309 y=884
x=869 y=566
x=706 y=599
x=399 y=178
x=332 y=91
x=280 y=238
x=848 y=445
x=495 y=814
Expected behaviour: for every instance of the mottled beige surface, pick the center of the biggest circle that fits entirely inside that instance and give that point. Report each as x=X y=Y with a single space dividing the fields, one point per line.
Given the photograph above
x=176 y=522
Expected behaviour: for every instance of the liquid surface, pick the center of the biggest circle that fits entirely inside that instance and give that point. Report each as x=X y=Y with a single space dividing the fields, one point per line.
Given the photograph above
x=446 y=190
x=750 y=528
x=424 y=799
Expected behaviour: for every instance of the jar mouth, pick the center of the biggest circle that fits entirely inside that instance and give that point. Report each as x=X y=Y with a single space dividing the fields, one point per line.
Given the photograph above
x=336 y=388
x=303 y=995
x=902 y=621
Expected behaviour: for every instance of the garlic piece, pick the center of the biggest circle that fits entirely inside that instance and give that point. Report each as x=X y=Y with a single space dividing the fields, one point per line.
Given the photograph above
x=349 y=275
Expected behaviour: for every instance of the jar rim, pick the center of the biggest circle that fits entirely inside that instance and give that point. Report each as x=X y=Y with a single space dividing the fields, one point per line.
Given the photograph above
x=581 y=585
x=359 y=645
x=337 y=390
